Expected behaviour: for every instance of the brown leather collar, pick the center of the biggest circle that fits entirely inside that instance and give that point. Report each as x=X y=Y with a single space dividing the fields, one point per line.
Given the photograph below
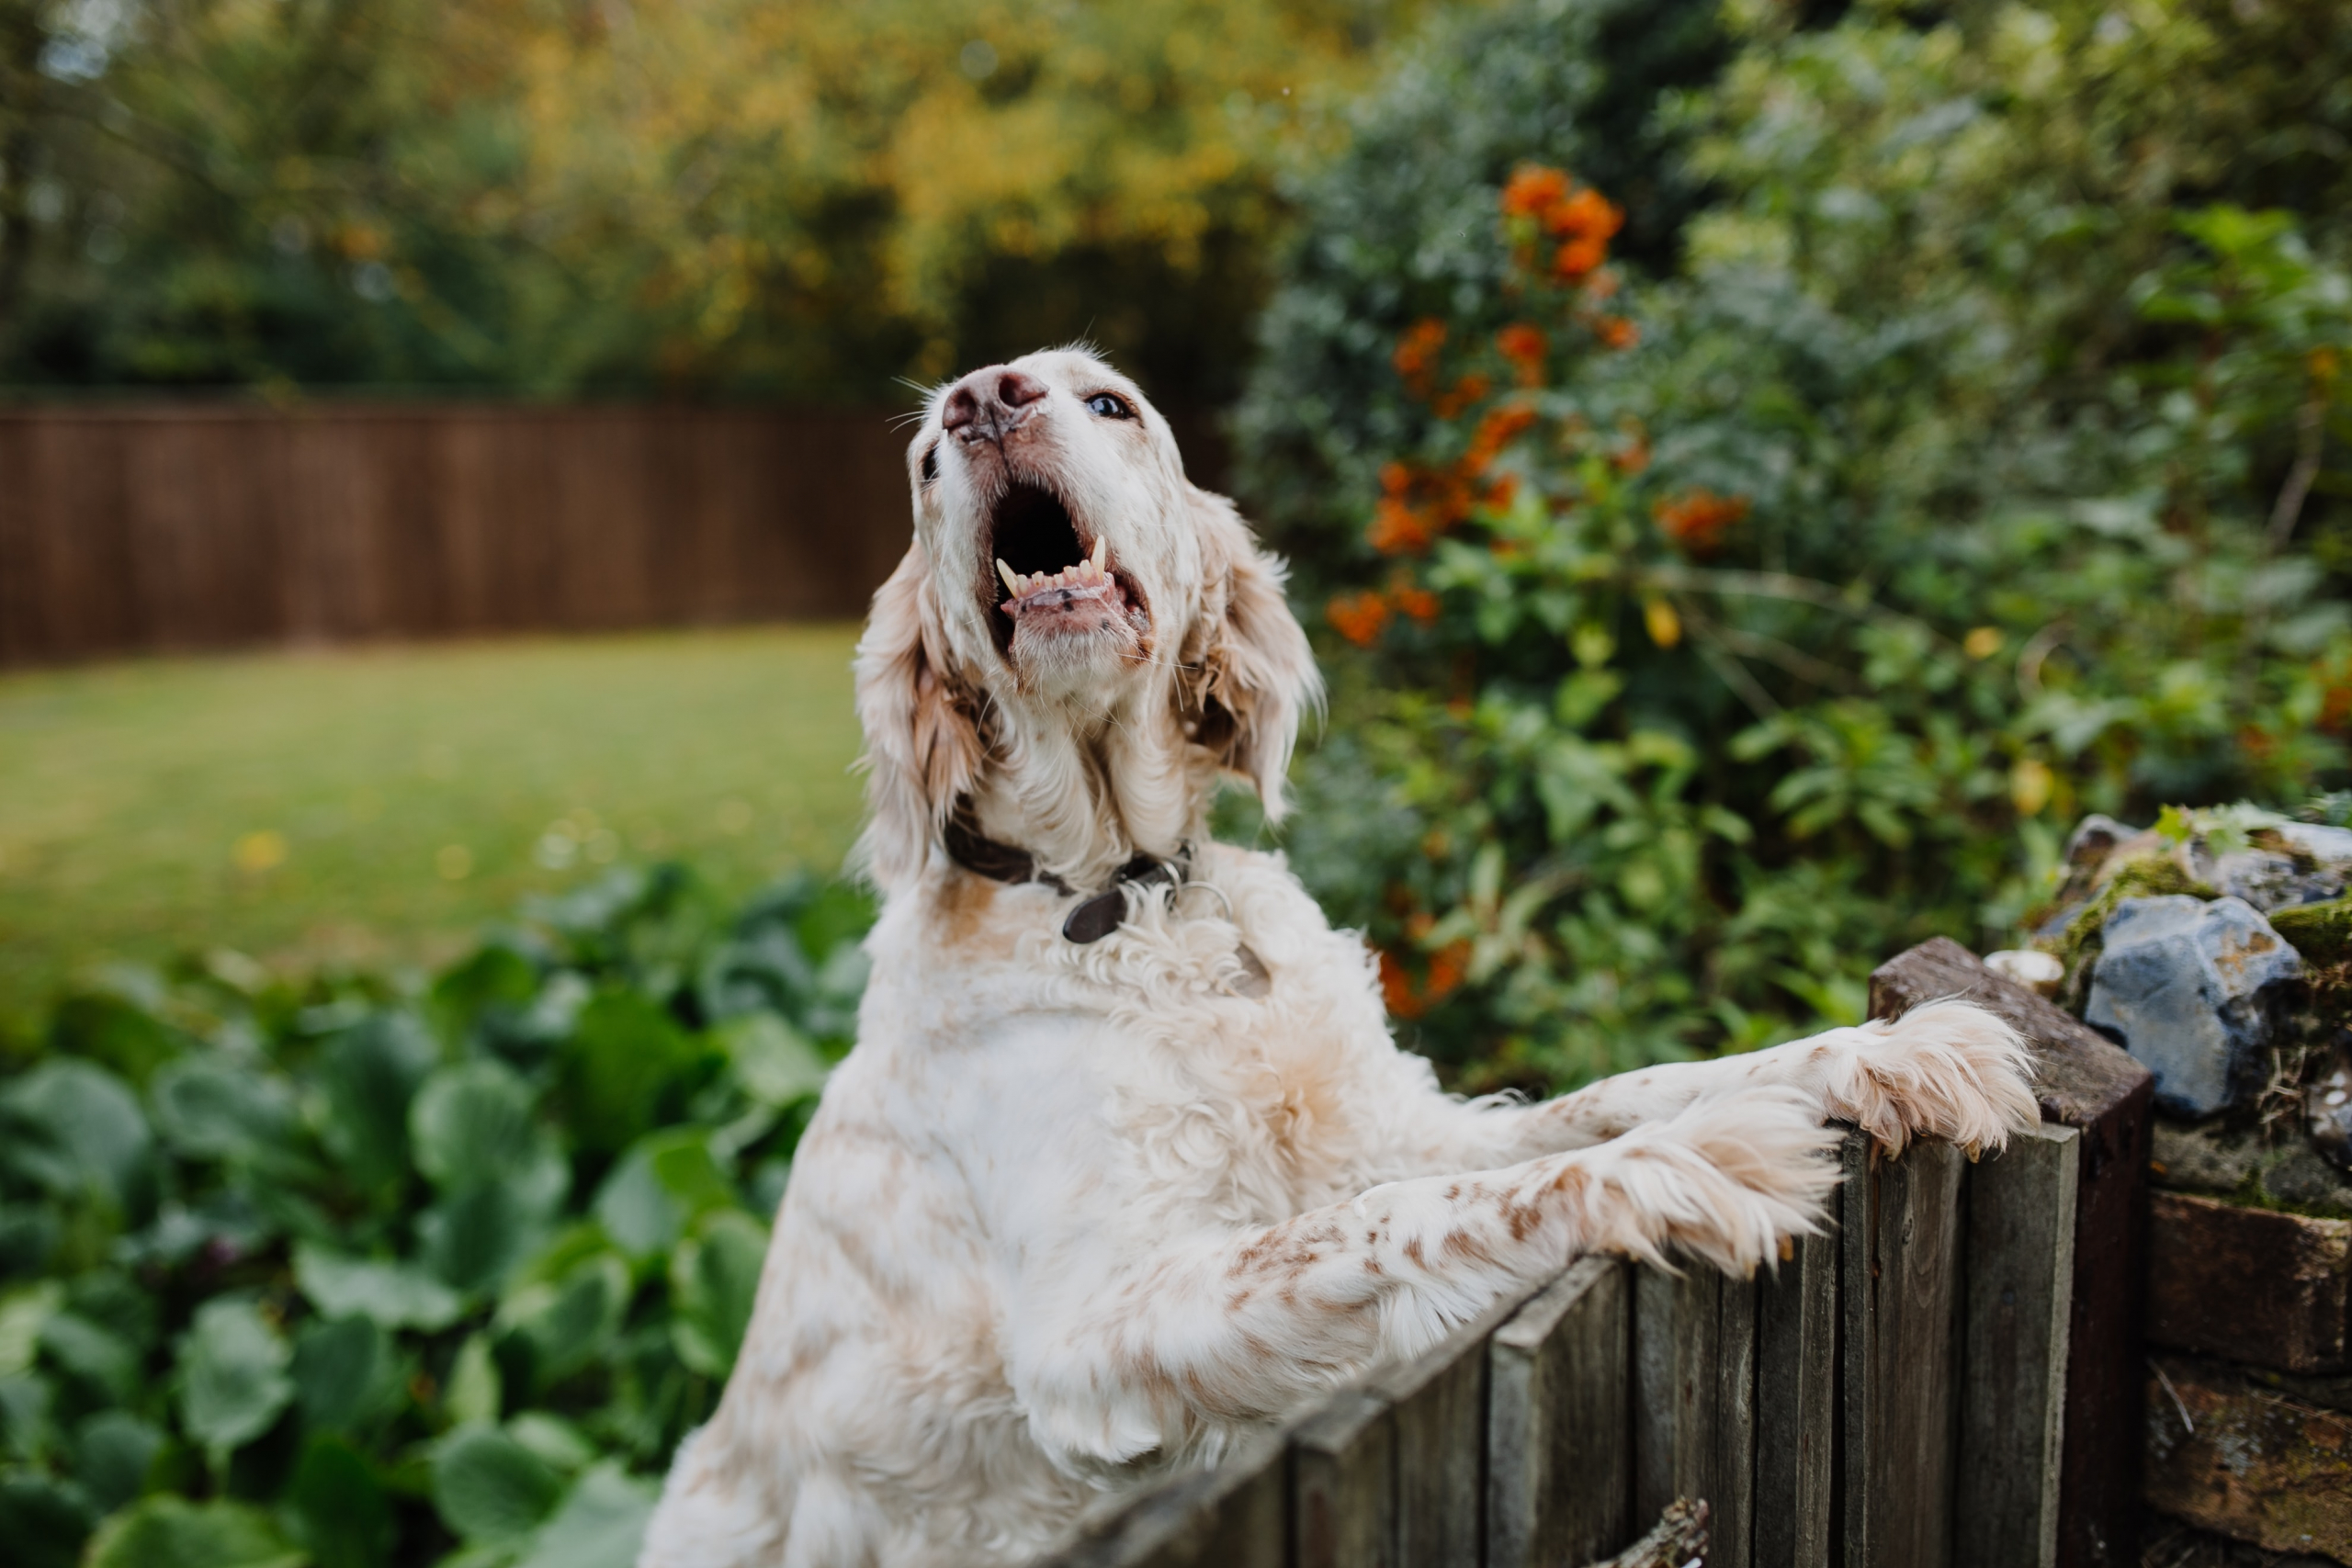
x=1094 y=917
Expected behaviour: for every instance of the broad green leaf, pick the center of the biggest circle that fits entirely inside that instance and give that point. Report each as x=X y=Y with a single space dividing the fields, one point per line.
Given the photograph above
x=397 y=1295
x=772 y=1060
x=232 y=1375
x=24 y=1313
x=370 y=1073
x=96 y=1357
x=42 y=1522
x=714 y=1278
x=24 y=1401
x=108 y=1023
x=118 y=1302
x=165 y=1531
x=341 y=1369
x=487 y=1486
x=568 y=1324
x=473 y=1395
x=562 y=1253
x=209 y=1108
x=72 y=1128
x=339 y=1509
x=29 y=1238
x=113 y=1451
x=660 y=1186
x=600 y=1523
x=623 y=1067
x=471 y=1124
x=554 y=1440
x=475 y=996
x=475 y=1235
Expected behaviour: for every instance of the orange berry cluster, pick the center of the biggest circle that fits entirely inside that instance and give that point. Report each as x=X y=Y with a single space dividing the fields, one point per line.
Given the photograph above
x=1579 y=218
x=1696 y=519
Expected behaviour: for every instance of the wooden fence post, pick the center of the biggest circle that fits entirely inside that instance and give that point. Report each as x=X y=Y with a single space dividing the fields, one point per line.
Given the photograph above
x=2019 y=1249
x=1344 y=1469
x=2087 y=1083
x=1560 y=1476
x=1438 y=1410
x=1694 y=1401
x=1901 y=1279
x=1796 y=1409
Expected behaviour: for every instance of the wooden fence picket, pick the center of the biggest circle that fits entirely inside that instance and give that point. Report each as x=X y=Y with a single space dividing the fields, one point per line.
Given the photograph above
x=1796 y=1407
x=1560 y=1486
x=1343 y=1468
x=2020 y=1249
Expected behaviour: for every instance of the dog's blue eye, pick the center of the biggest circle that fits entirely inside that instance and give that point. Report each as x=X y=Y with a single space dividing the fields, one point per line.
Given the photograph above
x=1110 y=406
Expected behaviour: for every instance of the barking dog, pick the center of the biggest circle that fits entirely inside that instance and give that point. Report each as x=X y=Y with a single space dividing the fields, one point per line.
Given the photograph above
x=1125 y=1163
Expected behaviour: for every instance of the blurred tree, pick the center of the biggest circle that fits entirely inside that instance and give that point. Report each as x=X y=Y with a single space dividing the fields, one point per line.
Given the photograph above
x=714 y=198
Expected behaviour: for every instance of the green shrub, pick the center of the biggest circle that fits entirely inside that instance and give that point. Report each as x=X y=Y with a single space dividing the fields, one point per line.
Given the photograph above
x=369 y=1272
x=1979 y=465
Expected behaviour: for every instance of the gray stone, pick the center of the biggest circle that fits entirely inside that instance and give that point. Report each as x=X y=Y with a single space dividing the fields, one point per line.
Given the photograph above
x=2270 y=881
x=2094 y=837
x=2209 y=1158
x=2300 y=1177
x=2187 y=987
x=2330 y=846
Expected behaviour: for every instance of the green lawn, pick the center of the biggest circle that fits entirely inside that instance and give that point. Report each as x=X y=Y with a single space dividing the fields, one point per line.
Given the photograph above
x=378 y=805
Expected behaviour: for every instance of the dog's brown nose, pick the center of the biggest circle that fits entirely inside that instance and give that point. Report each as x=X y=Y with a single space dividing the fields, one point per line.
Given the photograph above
x=988 y=402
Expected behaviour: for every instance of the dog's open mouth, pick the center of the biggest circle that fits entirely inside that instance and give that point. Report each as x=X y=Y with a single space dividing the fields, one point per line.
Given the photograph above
x=1048 y=579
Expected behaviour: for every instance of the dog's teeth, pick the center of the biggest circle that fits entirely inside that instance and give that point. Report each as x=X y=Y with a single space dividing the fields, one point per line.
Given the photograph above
x=1011 y=578
x=1101 y=548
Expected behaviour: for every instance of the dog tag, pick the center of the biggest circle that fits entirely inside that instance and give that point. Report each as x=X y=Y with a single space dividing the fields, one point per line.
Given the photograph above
x=1097 y=917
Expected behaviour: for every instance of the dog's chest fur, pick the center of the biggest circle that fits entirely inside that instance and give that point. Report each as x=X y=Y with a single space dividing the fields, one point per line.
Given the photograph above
x=1224 y=1052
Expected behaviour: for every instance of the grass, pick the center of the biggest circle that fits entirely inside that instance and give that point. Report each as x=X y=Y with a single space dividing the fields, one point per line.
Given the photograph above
x=380 y=805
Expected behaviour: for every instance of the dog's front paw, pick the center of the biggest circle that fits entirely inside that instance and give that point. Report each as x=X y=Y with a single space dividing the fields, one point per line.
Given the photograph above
x=1947 y=1070
x=1725 y=1181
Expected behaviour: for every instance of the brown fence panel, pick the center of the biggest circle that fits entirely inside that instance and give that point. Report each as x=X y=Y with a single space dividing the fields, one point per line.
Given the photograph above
x=149 y=529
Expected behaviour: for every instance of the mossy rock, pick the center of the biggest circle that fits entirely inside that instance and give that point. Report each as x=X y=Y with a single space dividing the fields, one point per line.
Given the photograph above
x=2145 y=875
x=2321 y=933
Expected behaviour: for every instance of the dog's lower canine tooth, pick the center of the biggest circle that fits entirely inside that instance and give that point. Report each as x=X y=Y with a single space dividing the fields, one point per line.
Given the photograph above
x=1102 y=548
x=1011 y=578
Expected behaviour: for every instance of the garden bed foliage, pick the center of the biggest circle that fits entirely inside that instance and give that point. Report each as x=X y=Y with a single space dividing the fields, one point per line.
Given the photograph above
x=1968 y=454
x=368 y=1273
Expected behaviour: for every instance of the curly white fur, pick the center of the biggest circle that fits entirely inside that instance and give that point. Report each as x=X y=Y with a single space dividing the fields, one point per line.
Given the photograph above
x=1071 y=1216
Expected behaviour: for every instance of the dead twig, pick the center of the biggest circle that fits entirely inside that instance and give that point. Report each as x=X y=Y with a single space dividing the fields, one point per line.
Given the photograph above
x=1679 y=1541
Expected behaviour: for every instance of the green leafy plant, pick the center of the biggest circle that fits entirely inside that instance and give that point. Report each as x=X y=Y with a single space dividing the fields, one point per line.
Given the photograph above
x=1701 y=640
x=357 y=1272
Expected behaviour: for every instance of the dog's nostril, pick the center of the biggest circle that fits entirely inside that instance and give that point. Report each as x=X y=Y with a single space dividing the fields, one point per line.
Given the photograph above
x=962 y=408
x=1016 y=390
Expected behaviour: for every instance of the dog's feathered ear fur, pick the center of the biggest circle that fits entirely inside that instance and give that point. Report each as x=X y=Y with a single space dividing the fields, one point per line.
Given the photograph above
x=920 y=718
x=1254 y=674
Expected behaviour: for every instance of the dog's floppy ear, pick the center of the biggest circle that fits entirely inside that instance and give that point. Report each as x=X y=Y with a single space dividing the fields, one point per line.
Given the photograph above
x=922 y=738
x=1252 y=674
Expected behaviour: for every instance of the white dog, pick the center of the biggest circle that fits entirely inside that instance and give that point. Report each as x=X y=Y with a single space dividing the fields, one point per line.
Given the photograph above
x=1125 y=1163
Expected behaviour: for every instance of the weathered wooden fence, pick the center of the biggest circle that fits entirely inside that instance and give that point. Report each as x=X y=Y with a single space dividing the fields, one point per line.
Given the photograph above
x=1947 y=1377
x=192 y=526
x=184 y=527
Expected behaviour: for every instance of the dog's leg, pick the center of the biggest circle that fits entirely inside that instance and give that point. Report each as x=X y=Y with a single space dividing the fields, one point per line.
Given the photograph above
x=1948 y=1070
x=1225 y=1329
